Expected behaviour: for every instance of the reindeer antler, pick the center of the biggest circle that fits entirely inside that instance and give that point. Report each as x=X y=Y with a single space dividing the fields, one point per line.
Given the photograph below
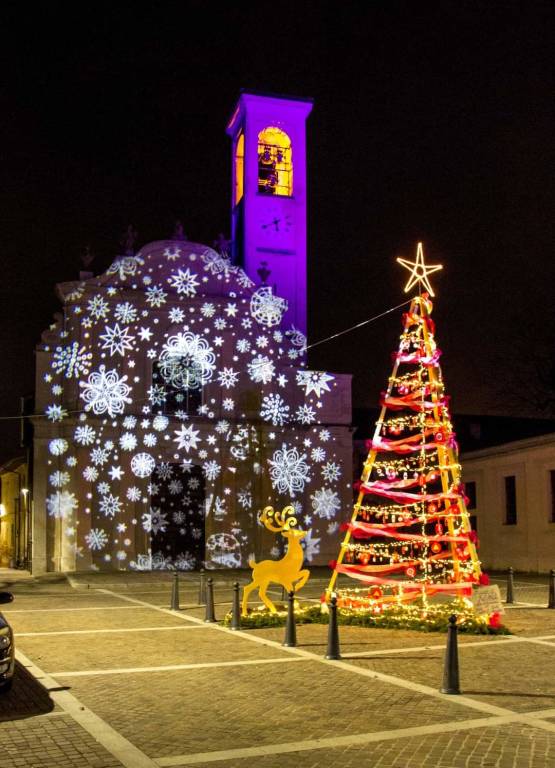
x=285 y=519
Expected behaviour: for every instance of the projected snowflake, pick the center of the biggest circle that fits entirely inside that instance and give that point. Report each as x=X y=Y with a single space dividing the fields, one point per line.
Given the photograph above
x=178 y=407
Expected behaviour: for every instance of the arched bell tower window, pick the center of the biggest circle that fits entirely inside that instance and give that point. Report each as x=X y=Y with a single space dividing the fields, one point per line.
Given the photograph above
x=275 y=165
x=176 y=385
x=239 y=167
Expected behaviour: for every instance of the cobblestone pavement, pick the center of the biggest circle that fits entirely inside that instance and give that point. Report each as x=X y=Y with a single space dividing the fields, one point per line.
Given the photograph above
x=109 y=676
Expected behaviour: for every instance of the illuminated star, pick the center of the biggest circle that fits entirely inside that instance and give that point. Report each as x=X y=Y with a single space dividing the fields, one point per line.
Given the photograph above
x=419 y=271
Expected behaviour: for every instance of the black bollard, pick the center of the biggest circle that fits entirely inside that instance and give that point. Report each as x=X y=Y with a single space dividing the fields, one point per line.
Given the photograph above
x=510 y=587
x=202 y=589
x=210 y=616
x=235 y=608
x=451 y=664
x=175 y=592
x=333 y=631
x=290 y=629
x=551 y=601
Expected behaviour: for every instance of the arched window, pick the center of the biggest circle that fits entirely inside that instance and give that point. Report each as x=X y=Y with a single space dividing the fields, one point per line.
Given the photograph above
x=176 y=385
x=275 y=165
x=239 y=167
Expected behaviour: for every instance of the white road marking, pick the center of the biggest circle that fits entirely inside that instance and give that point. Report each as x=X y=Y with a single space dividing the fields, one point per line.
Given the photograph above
x=342 y=741
x=174 y=667
x=498 y=643
x=107 y=631
x=63 y=610
x=117 y=745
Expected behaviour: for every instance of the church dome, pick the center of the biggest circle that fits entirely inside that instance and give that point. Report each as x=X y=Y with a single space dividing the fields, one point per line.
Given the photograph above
x=177 y=267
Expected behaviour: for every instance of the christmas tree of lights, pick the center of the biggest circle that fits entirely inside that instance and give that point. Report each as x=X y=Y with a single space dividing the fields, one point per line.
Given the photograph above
x=409 y=537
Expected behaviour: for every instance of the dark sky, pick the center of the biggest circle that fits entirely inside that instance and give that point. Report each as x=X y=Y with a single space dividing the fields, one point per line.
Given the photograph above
x=431 y=121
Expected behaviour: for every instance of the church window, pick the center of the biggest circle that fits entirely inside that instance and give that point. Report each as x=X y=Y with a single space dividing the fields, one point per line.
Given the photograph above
x=239 y=167
x=176 y=386
x=275 y=166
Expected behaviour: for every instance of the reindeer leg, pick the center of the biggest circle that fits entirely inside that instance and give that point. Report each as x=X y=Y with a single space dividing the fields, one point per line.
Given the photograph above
x=246 y=592
x=302 y=579
x=265 y=599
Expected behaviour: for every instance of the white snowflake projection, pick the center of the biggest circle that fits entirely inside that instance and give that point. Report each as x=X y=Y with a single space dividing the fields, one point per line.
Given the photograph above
x=223 y=549
x=58 y=446
x=142 y=464
x=105 y=392
x=61 y=504
x=125 y=312
x=331 y=471
x=184 y=281
x=208 y=309
x=164 y=470
x=297 y=338
x=217 y=264
x=311 y=546
x=96 y=538
x=274 y=409
x=325 y=503
x=72 y=360
x=266 y=308
x=110 y=505
x=155 y=296
x=125 y=266
x=305 y=414
x=128 y=441
x=211 y=469
x=90 y=474
x=172 y=253
x=154 y=521
x=84 y=435
x=55 y=412
x=160 y=422
x=187 y=361
x=261 y=369
x=185 y=561
x=58 y=479
x=187 y=438
x=228 y=378
x=289 y=471
x=98 y=307
x=133 y=493
x=99 y=456
x=314 y=381
x=117 y=340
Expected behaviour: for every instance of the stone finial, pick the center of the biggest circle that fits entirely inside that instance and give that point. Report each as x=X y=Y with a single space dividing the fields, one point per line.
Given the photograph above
x=263 y=272
x=128 y=240
x=178 y=233
x=222 y=243
x=87 y=257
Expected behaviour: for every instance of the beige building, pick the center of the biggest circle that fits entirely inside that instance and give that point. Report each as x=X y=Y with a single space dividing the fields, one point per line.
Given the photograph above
x=511 y=488
x=14 y=514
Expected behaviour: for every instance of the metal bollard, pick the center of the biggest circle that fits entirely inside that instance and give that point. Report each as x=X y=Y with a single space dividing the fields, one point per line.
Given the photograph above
x=451 y=663
x=235 y=608
x=551 y=601
x=290 y=629
x=510 y=587
x=175 y=592
x=210 y=616
x=202 y=589
x=333 y=631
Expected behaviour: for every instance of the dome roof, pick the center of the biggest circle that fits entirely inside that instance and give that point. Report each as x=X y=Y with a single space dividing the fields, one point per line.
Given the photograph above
x=178 y=266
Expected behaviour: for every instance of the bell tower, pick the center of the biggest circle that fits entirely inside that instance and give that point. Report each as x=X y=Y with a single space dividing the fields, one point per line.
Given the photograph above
x=268 y=209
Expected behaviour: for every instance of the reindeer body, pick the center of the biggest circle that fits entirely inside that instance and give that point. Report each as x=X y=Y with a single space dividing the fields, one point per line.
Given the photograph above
x=287 y=571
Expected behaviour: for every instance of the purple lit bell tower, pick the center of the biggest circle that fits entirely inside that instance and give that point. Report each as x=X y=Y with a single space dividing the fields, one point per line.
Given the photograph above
x=269 y=194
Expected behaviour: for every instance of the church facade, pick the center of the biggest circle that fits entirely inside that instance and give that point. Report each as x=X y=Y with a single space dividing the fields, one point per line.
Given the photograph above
x=173 y=399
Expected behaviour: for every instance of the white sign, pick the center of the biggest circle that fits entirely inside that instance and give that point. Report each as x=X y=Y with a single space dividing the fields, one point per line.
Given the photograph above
x=487 y=600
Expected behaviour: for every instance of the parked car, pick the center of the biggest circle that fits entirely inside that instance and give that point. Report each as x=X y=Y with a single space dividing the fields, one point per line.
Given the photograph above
x=7 y=648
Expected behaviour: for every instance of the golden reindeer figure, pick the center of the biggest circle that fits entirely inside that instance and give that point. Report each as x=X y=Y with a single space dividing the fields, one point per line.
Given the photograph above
x=286 y=571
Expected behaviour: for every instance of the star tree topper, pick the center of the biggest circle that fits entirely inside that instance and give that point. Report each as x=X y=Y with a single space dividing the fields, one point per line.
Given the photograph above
x=419 y=271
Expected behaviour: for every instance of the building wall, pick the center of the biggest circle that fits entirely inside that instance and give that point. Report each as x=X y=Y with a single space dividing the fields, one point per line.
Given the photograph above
x=528 y=545
x=13 y=514
x=267 y=430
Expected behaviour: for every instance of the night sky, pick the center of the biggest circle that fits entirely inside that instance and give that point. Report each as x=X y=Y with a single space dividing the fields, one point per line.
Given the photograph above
x=431 y=121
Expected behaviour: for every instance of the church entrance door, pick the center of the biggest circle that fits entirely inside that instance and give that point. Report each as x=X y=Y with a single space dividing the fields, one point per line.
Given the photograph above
x=177 y=517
